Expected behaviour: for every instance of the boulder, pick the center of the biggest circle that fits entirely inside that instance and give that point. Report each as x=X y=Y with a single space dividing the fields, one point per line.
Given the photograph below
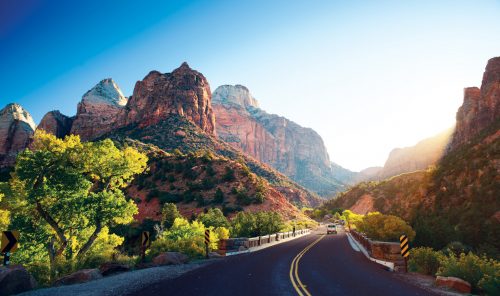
x=110 y=268
x=15 y=279
x=170 y=258
x=81 y=276
x=453 y=283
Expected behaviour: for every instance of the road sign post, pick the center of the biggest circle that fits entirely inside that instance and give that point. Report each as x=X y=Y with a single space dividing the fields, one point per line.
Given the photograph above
x=405 y=249
x=9 y=244
x=145 y=243
x=207 y=241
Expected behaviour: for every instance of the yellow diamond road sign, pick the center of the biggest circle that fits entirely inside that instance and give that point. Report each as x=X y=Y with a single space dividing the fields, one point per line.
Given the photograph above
x=10 y=241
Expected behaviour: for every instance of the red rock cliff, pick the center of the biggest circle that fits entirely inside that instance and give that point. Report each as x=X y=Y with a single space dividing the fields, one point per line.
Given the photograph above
x=295 y=151
x=56 y=123
x=184 y=91
x=481 y=107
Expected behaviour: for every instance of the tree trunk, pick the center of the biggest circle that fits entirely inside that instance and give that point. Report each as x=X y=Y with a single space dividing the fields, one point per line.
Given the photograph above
x=91 y=240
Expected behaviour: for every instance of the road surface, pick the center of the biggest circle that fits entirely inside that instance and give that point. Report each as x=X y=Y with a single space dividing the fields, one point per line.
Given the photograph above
x=327 y=265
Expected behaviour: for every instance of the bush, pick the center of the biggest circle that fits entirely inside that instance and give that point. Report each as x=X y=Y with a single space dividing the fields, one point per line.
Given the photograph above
x=218 y=197
x=472 y=269
x=187 y=238
x=384 y=227
x=228 y=175
x=425 y=260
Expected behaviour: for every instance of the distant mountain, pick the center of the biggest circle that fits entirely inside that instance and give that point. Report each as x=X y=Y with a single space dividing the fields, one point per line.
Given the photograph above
x=295 y=151
x=459 y=199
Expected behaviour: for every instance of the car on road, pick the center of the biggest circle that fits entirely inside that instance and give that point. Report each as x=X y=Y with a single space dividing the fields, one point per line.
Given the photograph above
x=331 y=228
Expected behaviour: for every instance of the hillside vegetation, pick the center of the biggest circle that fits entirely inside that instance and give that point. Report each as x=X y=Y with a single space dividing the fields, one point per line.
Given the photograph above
x=455 y=201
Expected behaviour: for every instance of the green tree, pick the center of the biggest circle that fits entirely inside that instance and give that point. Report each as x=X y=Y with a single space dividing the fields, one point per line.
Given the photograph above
x=169 y=213
x=218 y=197
x=4 y=214
x=384 y=227
x=214 y=217
x=65 y=192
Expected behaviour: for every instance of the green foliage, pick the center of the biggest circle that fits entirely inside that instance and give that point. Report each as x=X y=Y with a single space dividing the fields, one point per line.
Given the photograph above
x=218 y=197
x=384 y=227
x=65 y=193
x=188 y=238
x=254 y=224
x=169 y=213
x=425 y=260
x=352 y=219
x=473 y=269
x=214 y=217
x=4 y=214
x=228 y=175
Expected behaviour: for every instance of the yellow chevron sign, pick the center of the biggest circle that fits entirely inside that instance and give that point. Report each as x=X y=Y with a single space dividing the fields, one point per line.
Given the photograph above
x=405 y=248
x=9 y=241
x=146 y=241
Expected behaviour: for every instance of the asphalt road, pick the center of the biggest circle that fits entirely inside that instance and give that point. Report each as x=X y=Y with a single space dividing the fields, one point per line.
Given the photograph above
x=329 y=267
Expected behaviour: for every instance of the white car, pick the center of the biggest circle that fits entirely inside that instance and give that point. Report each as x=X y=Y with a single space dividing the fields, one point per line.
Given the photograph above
x=331 y=228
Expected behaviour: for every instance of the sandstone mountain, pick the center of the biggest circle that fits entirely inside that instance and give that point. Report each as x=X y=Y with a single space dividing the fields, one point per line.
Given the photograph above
x=481 y=107
x=56 y=123
x=16 y=129
x=170 y=117
x=99 y=110
x=418 y=157
x=295 y=151
x=104 y=108
x=457 y=200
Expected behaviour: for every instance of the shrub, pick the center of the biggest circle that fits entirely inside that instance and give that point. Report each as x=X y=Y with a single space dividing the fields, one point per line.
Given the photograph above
x=425 y=260
x=228 y=175
x=472 y=269
x=153 y=193
x=456 y=248
x=187 y=238
x=384 y=227
x=218 y=197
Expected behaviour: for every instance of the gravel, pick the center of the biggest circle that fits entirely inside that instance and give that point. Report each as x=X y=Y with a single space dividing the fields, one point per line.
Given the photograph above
x=121 y=283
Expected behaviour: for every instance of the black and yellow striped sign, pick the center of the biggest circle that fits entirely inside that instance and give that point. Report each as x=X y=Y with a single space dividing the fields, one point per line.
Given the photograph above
x=405 y=248
x=207 y=236
x=146 y=241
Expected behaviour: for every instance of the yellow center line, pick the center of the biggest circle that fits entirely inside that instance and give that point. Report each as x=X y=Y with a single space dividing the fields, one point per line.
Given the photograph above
x=294 y=270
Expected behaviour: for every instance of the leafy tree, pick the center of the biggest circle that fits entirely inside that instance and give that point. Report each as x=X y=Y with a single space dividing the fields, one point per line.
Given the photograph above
x=65 y=192
x=213 y=217
x=169 y=213
x=255 y=224
x=351 y=218
x=384 y=227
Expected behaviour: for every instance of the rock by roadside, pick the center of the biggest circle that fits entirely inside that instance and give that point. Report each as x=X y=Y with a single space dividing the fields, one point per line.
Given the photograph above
x=426 y=282
x=121 y=283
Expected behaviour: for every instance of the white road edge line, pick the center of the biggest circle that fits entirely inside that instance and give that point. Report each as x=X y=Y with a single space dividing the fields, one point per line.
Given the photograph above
x=387 y=264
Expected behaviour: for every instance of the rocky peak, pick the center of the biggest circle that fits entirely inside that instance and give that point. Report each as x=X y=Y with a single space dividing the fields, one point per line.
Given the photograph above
x=99 y=110
x=234 y=95
x=56 y=123
x=184 y=91
x=481 y=107
x=16 y=130
x=105 y=92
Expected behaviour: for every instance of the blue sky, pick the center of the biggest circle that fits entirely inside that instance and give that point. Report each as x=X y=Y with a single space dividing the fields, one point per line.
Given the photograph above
x=368 y=76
